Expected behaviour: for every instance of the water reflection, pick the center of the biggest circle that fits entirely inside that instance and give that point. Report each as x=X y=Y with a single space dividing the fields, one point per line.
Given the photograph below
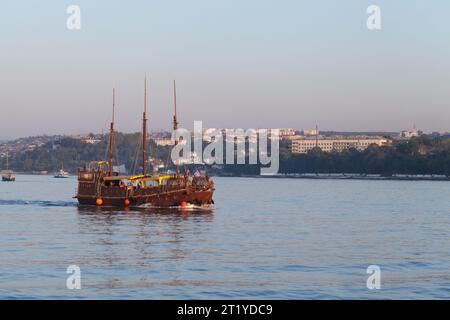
x=141 y=237
x=142 y=210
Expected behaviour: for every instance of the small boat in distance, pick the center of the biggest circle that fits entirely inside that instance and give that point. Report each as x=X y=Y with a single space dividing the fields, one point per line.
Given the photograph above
x=62 y=174
x=7 y=175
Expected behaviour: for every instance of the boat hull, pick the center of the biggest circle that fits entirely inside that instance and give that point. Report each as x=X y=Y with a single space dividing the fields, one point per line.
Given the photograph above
x=168 y=199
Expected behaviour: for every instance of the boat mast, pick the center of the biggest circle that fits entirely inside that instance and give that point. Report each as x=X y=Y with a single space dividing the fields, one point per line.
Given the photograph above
x=175 y=123
x=111 y=135
x=144 y=132
x=7 y=163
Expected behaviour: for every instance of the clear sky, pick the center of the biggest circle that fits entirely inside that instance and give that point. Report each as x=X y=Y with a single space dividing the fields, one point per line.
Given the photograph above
x=238 y=63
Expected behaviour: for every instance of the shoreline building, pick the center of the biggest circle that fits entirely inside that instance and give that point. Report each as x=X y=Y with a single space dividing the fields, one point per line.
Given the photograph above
x=164 y=142
x=406 y=134
x=286 y=132
x=302 y=145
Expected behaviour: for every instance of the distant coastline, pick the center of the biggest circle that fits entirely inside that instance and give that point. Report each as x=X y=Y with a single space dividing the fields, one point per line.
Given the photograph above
x=312 y=176
x=339 y=176
x=425 y=157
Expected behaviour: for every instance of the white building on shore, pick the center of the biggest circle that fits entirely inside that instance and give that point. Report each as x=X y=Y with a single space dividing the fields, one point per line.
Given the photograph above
x=408 y=134
x=337 y=144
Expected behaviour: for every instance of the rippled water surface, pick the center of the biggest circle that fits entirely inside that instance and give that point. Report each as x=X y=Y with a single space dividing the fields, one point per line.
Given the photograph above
x=265 y=238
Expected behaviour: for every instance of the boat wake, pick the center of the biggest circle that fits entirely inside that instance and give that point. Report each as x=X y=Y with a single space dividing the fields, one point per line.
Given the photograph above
x=40 y=203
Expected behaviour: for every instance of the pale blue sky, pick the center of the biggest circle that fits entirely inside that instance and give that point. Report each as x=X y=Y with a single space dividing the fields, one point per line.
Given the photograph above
x=247 y=63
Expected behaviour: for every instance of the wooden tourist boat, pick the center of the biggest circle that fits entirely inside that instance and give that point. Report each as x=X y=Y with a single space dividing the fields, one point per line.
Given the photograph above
x=99 y=185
